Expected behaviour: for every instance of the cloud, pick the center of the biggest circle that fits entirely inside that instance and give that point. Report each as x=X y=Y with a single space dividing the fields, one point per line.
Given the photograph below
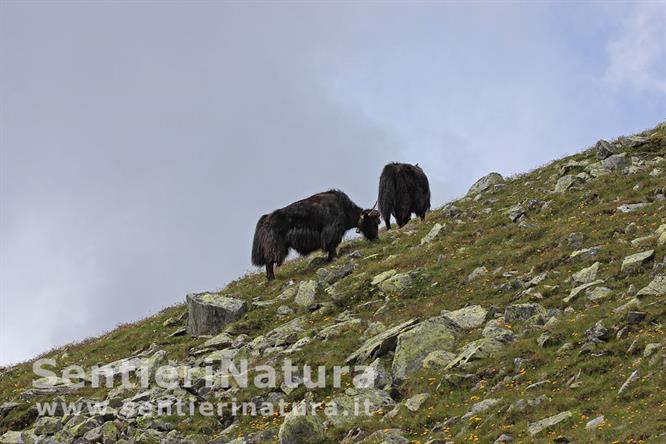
x=637 y=54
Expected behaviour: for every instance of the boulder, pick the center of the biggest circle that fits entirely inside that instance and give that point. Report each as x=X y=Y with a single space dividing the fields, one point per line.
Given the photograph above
x=564 y=183
x=346 y=405
x=307 y=293
x=414 y=345
x=396 y=284
x=633 y=263
x=521 y=312
x=477 y=273
x=381 y=277
x=386 y=436
x=578 y=290
x=616 y=162
x=586 y=275
x=210 y=313
x=375 y=375
x=414 y=403
x=604 y=149
x=485 y=183
x=380 y=344
x=301 y=427
x=481 y=406
x=630 y=208
x=467 y=318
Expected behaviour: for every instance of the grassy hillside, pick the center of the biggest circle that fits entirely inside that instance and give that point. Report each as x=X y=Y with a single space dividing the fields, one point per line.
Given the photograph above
x=567 y=355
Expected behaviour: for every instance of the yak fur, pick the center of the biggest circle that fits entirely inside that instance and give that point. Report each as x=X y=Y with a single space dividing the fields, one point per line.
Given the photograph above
x=403 y=190
x=316 y=223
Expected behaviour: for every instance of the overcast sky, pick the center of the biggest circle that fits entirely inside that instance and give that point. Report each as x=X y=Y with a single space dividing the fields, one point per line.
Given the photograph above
x=142 y=141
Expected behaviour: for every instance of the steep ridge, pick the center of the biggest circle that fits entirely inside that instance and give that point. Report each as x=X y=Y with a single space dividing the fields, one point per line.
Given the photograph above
x=530 y=310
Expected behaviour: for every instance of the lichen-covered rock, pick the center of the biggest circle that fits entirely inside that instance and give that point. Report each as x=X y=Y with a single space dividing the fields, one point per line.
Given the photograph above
x=481 y=406
x=414 y=345
x=534 y=428
x=566 y=182
x=375 y=376
x=333 y=274
x=485 y=183
x=656 y=288
x=396 y=284
x=477 y=273
x=209 y=313
x=386 y=436
x=414 y=403
x=307 y=293
x=300 y=426
x=375 y=399
x=578 y=290
x=382 y=343
x=616 y=162
x=469 y=317
x=432 y=234
x=521 y=312
x=493 y=330
x=633 y=263
x=586 y=275
x=439 y=359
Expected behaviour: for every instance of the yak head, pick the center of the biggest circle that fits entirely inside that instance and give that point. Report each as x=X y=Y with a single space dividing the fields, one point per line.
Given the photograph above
x=368 y=224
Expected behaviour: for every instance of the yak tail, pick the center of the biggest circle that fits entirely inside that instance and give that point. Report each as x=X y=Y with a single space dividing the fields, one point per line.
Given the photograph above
x=387 y=191
x=269 y=243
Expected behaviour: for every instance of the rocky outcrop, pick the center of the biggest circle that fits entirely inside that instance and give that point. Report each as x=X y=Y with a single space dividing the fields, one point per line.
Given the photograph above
x=209 y=313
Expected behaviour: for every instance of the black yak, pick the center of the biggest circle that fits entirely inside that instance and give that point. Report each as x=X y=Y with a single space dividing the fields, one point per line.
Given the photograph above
x=318 y=222
x=403 y=190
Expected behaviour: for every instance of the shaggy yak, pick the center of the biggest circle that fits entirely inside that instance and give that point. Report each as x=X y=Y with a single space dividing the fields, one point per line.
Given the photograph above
x=318 y=222
x=403 y=190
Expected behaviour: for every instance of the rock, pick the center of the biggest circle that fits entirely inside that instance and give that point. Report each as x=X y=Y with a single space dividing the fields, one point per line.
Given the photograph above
x=307 y=292
x=434 y=231
x=468 y=317
x=534 y=428
x=565 y=183
x=414 y=345
x=414 y=403
x=209 y=313
x=47 y=425
x=503 y=438
x=450 y=211
x=575 y=241
x=479 y=349
x=7 y=407
x=630 y=208
x=331 y=275
x=12 y=437
x=635 y=317
x=386 y=436
x=578 y=290
x=604 y=149
x=374 y=399
x=616 y=162
x=587 y=275
x=218 y=341
x=335 y=330
x=477 y=273
x=93 y=435
x=630 y=380
x=301 y=427
x=651 y=349
x=284 y=310
x=598 y=293
x=587 y=253
x=375 y=376
x=594 y=423
x=485 y=183
x=546 y=340
x=493 y=331
x=655 y=288
x=439 y=359
x=633 y=263
x=380 y=344
x=516 y=212
x=381 y=277
x=643 y=241
x=597 y=333
x=521 y=312
x=481 y=406
x=396 y=284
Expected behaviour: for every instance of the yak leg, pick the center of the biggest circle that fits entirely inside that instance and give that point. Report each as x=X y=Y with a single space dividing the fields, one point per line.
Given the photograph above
x=270 y=275
x=387 y=220
x=422 y=216
x=332 y=254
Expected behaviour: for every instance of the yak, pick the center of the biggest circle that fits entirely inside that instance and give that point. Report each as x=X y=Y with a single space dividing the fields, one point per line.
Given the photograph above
x=403 y=190
x=318 y=222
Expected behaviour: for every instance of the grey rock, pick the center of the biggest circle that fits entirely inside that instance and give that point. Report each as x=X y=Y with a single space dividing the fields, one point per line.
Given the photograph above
x=301 y=427
x=604 y=149
x=587 y=253
x=575 y=241
x=521 y=312
x=415 y=344
x=633 y=377
x=414 y=403
x=210 y=313
x=480 y=407
x=381 y=344
x=432 y=234
x=477 y=273
x=598 y=293
x=485 y=183
x=396 y=284
x=655 y=288
x=469 y=317
x=516 y=212
x=567 y=182
x=635 y=317
x=633 y=263
x=534 y=428
x=587 y=275
x=630 y=208
x=578 y=290
x=616 y=162
x=306 y=294
x=386 y=436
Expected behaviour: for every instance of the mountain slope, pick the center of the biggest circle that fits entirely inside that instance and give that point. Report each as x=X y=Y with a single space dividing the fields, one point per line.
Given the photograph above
x=522 y=316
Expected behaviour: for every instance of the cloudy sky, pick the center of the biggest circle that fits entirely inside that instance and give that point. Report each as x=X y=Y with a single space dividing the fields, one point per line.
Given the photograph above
x=140 y=142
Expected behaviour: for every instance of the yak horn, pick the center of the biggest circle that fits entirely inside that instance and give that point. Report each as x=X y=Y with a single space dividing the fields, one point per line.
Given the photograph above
x=375 y=205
